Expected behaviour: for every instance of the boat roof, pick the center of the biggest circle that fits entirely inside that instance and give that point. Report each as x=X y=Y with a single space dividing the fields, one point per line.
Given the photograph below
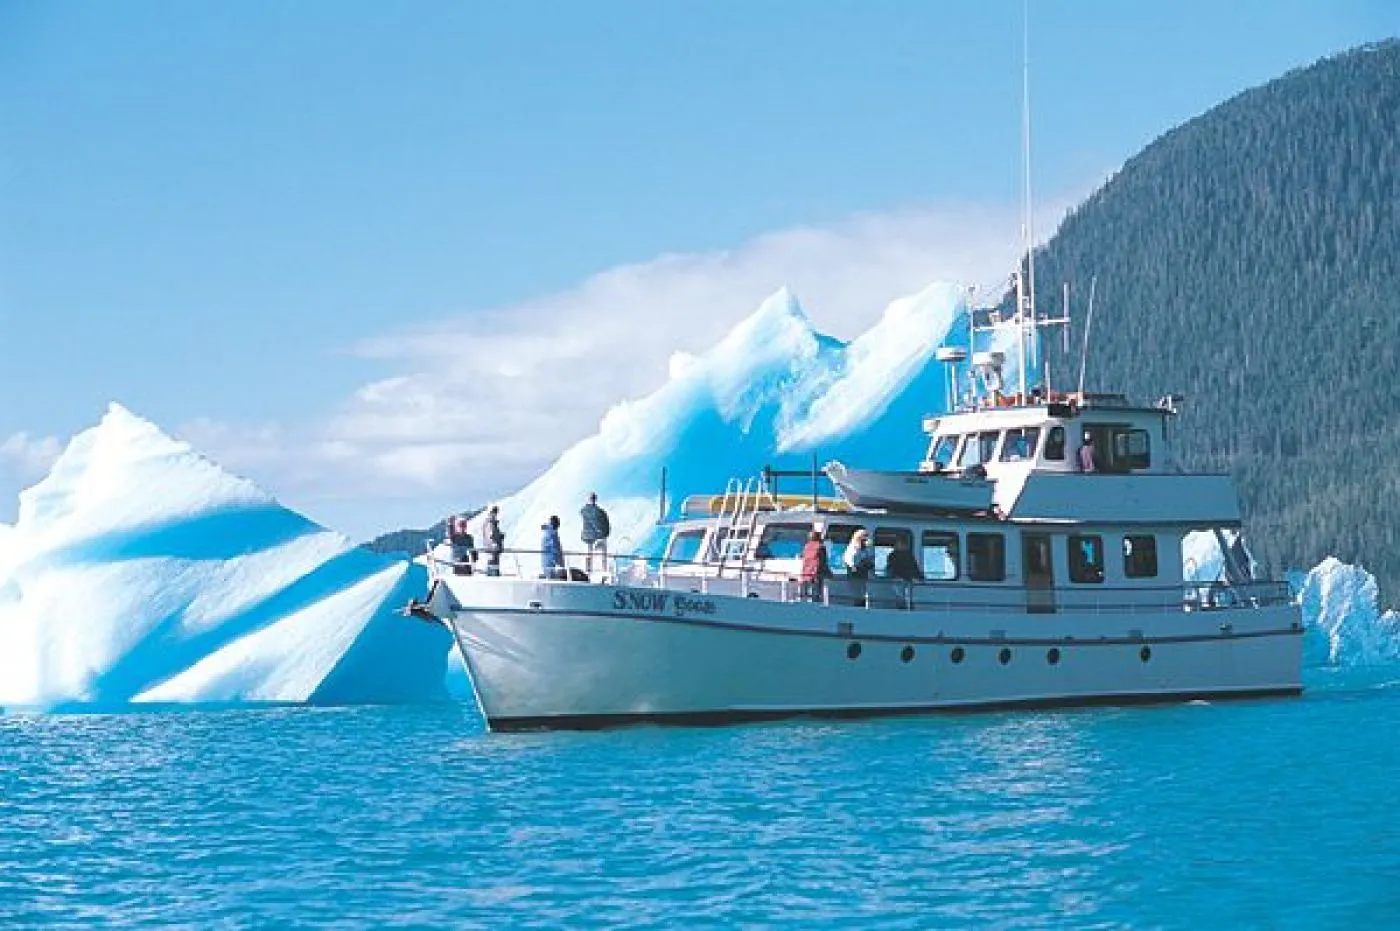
x=1008 y=411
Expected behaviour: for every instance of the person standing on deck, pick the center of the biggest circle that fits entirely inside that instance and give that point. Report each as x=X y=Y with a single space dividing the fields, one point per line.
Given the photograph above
x=859 y=558
x=1088 y=456
x=494 y=541
x=902 y=564
x=551 y=550
x=463 y=546
x=860 y=562
x=596 y=529
x=815 y=567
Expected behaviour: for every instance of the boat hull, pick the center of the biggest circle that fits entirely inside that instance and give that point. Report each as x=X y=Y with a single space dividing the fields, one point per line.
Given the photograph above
x=556 y=655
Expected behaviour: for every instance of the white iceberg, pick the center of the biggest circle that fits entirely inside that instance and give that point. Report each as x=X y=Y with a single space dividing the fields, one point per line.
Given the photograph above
x=139 y=571
x=1345 y=623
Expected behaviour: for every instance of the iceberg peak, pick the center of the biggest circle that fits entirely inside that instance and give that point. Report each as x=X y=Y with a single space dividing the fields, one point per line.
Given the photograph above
x=94 y=484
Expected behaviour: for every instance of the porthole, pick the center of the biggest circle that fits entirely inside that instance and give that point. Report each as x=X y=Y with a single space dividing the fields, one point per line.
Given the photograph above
x=1004 y=656
x=1145 y=654
x=957 y=655
x=1052 y=656
x=907 y=654
x=853 y=651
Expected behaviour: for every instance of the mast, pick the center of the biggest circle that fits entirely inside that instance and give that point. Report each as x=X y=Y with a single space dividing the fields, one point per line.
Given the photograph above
x=1028 y=326
x=1028 y=319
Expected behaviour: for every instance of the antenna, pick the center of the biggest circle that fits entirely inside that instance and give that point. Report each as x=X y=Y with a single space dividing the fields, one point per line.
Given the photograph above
x=661 y=499
x=1088 y=325
x=1026 y=291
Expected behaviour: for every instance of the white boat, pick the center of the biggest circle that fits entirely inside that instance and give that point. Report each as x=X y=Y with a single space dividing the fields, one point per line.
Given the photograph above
x=1070 y=592
x=945 y=492
x=1045 y=584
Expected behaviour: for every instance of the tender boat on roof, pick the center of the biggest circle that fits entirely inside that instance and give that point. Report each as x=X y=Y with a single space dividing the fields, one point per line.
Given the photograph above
x=915 y=491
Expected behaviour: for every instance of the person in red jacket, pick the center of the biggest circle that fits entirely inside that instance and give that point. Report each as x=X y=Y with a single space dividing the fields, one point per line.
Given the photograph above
x=816 y=567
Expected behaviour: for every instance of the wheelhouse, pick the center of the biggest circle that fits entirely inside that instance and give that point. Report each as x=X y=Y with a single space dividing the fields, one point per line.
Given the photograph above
x=1047 y=437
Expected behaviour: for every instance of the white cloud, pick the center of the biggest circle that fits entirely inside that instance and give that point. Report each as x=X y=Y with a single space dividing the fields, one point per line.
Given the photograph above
x=28 y=457
x=485 y=399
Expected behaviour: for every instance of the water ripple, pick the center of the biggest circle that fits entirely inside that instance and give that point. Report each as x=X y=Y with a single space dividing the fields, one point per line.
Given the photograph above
x=1252 y=814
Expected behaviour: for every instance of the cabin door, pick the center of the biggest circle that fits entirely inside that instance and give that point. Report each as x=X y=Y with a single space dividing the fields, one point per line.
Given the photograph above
x=1039 y=571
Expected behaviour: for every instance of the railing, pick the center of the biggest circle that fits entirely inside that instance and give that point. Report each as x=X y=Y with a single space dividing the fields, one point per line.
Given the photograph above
x=753 y=581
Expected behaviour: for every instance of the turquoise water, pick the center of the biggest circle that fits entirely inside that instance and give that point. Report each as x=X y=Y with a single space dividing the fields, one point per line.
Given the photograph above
x=1268 y=814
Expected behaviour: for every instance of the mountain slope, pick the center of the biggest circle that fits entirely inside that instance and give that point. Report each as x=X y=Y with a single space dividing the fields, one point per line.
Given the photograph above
x=1250 y=259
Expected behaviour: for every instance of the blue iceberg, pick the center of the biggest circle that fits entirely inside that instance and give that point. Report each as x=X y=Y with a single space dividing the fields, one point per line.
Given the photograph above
x=139 y=572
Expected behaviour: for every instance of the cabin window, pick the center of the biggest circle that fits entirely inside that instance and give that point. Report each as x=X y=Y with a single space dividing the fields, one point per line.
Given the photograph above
x=969 y=454
x=1055 y=444
x=1086 y=558
x=685 y=546
x=978 y=448
x=782 y=541
x=1132 y=449
x=838 y=537
x=1120 y=448
x=942 y=450
x=728 y=544
x=986 y=557
x=1140 y=557
x=1019 y=445
x=884 y=542
x=940 y=555
x=1037 y=554
x=987 y=442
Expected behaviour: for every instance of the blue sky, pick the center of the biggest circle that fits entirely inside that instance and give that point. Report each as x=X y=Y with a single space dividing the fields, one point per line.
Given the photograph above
x=273 y=227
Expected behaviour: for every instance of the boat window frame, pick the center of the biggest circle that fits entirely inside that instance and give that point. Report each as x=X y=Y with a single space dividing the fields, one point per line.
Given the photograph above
x=1058 y=435
x=1107 y=437
x=997 y=569
x=1032 y=442
x=698 y=533
x=1133 y=558
x=1082 y=569
x=883 y=551
x=980 y=438
x=955 y=439
x=952 y=555
x=805 y=532
x=1130 y=462
x=836 y=560
x=727 y=544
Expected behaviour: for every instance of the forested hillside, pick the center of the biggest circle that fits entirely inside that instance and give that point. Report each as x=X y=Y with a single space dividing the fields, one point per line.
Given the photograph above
x=1250 y=260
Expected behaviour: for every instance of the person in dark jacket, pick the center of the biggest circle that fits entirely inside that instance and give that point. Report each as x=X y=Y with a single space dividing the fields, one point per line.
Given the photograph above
x=551 y=550
x=493 y=540
x=596 y=529
x=902 y=564
x=463 y=545
x=816 y=566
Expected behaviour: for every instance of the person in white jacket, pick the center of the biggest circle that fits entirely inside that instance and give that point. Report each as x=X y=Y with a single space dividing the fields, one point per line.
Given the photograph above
x=859 y=561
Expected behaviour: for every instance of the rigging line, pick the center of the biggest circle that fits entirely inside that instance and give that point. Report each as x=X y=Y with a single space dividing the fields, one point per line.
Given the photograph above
x=1088 y=326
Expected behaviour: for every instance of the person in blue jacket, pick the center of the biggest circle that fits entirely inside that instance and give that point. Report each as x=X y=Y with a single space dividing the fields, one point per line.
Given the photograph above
x=551 y=550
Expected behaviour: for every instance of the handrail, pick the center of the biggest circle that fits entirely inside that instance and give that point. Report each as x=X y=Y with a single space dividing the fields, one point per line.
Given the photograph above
x=650 y=570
